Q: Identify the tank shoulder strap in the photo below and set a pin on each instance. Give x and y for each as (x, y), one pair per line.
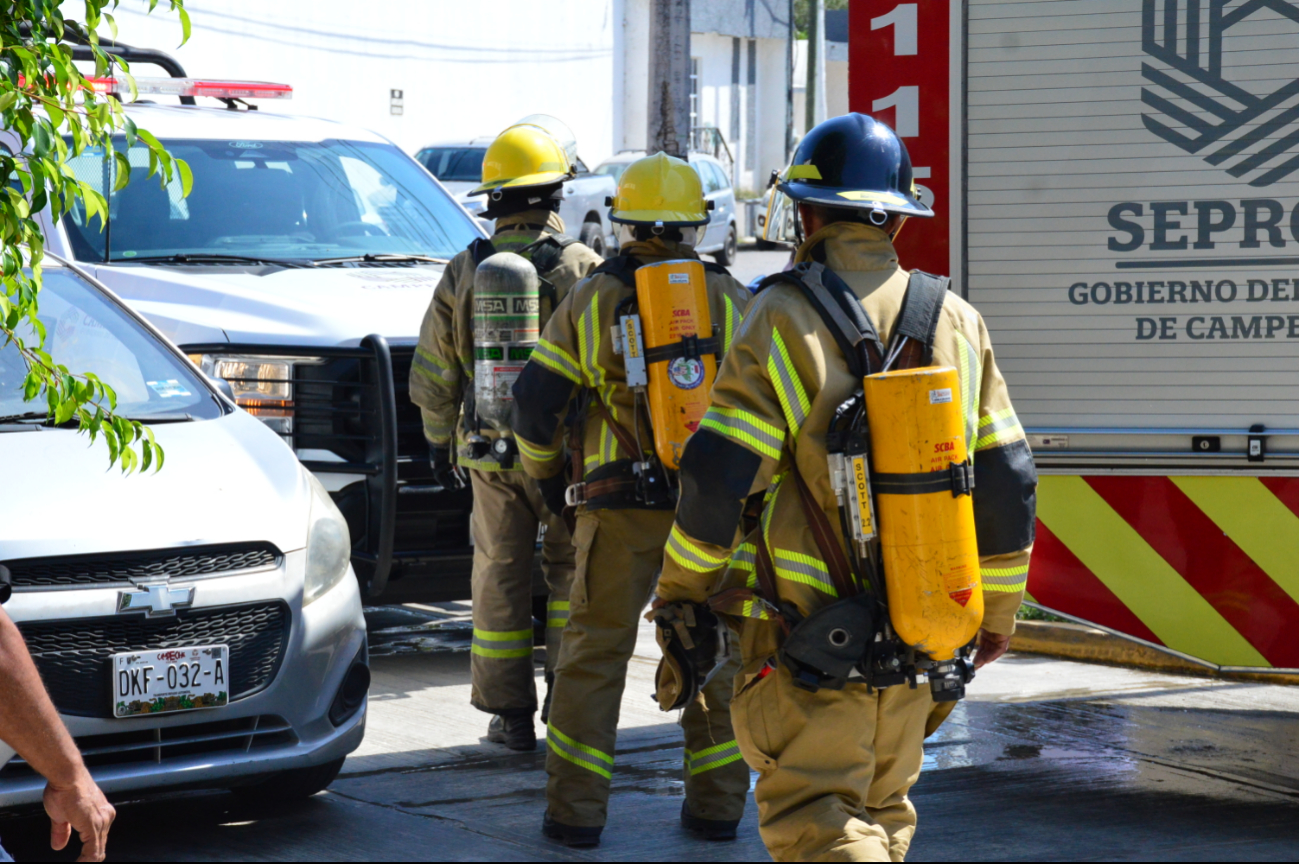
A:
(623, 268)
(481, 249)
(546, 252)
(922, 306)
(841, 312)
(713, 267)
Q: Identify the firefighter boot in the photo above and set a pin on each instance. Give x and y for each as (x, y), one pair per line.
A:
(570, 835)
(515, 731)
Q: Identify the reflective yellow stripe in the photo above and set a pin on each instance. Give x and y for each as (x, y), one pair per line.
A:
(535, 453)
(432, 367)
(1005, 580)
(1138, 575)
(997, 427)
(713, 757)
(733, 317)
(438, 434)
(502, 644)
(557, 359)
(557, 613)
(746, 428)
(971, 379)
(567, 748)
(797, 567)
(683, 551)
(789, 388)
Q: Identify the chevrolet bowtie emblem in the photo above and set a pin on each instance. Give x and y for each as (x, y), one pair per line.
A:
(155, 600)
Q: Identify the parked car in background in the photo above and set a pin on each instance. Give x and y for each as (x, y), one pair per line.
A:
(459, 167)
(197, 626)
(298, 270)
(721, 238)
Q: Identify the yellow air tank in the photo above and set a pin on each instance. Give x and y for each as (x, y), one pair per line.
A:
(931, 558)
(673, 301)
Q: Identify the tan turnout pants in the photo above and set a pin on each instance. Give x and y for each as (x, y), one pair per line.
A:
(507, 511)
(834, 767)
(619, 554)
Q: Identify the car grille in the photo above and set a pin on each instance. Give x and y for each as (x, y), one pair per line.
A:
(122, 568)
(74, 655)
(245, 734)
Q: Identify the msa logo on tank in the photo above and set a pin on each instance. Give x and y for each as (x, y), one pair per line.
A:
(1204, 94)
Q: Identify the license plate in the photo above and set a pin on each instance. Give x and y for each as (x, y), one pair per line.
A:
(170, 679)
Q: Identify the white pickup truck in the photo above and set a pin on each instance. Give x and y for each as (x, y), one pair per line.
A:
(298, 270)
(459, 166)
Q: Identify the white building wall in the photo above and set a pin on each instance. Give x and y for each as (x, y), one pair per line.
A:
(466, 69)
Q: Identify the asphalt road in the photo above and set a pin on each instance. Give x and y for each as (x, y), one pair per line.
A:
(1046, 760)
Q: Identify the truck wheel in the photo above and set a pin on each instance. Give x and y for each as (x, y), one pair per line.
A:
(593, 236)
(726, 255)
(291, 785)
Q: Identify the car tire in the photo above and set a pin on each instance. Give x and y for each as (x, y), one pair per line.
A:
(726, 255)
(593, 236)
(291, 785)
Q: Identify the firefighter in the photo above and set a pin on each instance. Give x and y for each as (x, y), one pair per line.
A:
(835, 765)
(625, 502)
(523, 174)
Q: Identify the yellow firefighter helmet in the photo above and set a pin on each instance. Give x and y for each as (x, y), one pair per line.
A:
(523, 156)
(660, 190)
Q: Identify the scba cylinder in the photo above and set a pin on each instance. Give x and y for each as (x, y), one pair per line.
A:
(673, 300)
(926, 523)
(507, 323)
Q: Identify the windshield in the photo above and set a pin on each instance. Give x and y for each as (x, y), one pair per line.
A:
(86, 332)
(454, 163)
(270, 199)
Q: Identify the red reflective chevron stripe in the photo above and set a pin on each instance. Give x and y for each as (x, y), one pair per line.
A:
(1058, 580)
(1284, 488)
(1210, 562)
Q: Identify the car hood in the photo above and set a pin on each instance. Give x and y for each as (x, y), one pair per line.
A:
(227, 480)
(458, 188)
(326, 306)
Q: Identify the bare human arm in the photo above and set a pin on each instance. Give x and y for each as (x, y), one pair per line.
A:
(30, 725)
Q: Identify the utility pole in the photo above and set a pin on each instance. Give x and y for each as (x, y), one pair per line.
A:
(669, 82)
(814, 109)
(790, 44)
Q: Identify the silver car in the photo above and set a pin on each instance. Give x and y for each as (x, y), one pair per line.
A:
(200, 626)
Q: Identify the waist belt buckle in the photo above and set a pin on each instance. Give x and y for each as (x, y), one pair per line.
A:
(575, 495)
(690, 346)
(962, 478)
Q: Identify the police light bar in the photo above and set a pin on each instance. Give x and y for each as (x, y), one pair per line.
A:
(193, 87)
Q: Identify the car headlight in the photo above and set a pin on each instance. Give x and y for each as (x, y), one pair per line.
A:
(263, 386)
(329, 544)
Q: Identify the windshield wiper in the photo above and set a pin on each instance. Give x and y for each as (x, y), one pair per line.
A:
(29, 417)
(213, 258)
(36, 420)
(381, 258)
(159, 419)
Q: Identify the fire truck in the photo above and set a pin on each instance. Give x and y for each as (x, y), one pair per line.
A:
(1117, 188)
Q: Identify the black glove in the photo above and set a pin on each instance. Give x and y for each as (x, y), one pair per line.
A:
(553, 489)
(444, 472)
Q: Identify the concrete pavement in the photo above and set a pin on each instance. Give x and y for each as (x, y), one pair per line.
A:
(1047, 760)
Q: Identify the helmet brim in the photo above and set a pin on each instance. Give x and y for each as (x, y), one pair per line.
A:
(667, 219)
(544, 178)
(856, 199)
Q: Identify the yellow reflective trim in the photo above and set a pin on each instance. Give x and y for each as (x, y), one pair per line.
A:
(1138, 575)
(502, 635)
(789, 388)
(803, 172)
(500, 653)
(537, 454)
(989, 419)
(571, 750)
(557, 359)
(999, 436)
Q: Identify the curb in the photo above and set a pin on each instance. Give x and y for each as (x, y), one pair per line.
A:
(1089, 645)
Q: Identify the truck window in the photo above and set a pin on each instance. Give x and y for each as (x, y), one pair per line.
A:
(463, 164)
(279, 199)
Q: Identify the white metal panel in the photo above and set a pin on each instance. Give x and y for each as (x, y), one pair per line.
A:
(1056, 138)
